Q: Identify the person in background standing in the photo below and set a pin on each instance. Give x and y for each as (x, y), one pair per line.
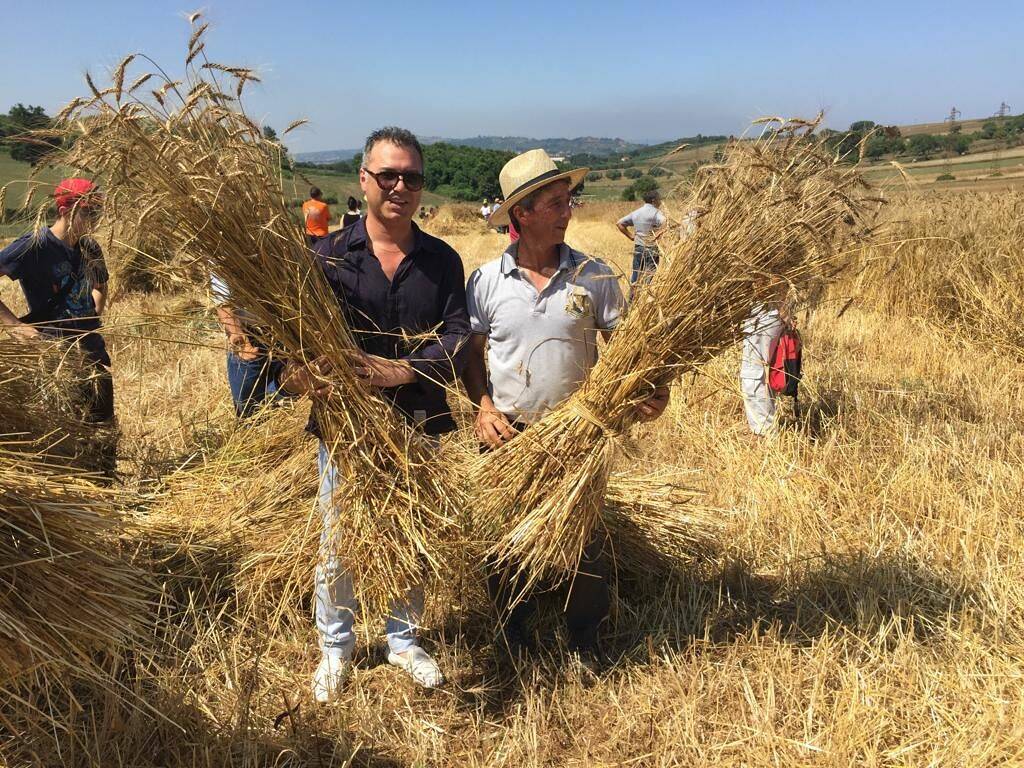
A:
(317, 216)
(645, 221)
(502, 228)
(760, 332)
(485, 209)
(352, 215)
(690, 223)
(252, 372)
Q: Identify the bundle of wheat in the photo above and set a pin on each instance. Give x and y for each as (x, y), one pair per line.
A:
(44, 390)
(779, 211)
(655, 523)
(456, 219)
(247, 509)
(66, 590)
(136, 259)
(198, 172)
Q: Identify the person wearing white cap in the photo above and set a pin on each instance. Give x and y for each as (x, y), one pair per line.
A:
(535, 313)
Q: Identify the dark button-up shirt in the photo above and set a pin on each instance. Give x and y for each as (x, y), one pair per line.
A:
(419, 316)
(57, 280)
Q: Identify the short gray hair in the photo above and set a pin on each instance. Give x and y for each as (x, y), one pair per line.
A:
(395, 135)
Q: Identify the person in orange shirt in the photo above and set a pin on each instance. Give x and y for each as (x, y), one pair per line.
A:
(317, 216)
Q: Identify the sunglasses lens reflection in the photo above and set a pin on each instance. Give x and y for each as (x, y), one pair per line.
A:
(388, 180)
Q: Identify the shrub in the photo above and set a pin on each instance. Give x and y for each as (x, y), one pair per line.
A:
(657, 171)
(632, 173)
(594, 175)
(614, 174)
(639, 188)
(946, 177)
(881, 144)
(922, 145)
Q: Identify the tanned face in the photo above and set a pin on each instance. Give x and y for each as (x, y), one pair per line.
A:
(399, 203)
(81, 221)
(545, 225)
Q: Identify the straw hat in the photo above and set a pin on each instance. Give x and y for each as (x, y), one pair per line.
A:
(527, 173)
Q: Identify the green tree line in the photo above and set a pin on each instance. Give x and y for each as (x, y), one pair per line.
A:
(880, 141)
(459, 172)
(19, 120)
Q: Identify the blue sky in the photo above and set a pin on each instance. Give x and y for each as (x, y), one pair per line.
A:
(639, 71)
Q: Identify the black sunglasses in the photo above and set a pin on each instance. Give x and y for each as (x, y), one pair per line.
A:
(388, 180)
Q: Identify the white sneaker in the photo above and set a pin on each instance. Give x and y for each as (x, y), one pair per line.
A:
(419, 665)
(330, 676)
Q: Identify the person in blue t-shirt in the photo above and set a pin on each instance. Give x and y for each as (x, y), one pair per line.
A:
(64, 280)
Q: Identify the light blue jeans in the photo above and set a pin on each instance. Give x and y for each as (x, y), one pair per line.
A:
(335, 597)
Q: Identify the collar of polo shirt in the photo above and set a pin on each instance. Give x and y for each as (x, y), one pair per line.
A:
(510, 265)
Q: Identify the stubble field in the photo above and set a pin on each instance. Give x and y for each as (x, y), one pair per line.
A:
(862, 604)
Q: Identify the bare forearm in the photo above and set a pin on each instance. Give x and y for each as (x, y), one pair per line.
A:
(228, 321)
(99, 298)
(625, 231)
(14, 326)
(475, 374)
(7, 318)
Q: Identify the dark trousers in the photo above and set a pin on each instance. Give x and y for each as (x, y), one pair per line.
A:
(586, 597)
(97, 404)
(252, 382)
(97, 384)
(645, 262)
(100, 395)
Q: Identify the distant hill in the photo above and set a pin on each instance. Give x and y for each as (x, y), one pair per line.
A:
(561, 147)
(326, 156)
(583, 145)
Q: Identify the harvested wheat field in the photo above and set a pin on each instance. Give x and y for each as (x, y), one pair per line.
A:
(844, 592)
(859, 601)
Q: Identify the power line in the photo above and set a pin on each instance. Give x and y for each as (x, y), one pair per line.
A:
(1004, 110)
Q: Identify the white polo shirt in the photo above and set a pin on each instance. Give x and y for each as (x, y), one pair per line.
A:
(541, 345)
(645, 220)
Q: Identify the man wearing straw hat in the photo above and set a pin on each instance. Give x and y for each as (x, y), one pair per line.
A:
(64, 279)
(535, 313)
(395, 283)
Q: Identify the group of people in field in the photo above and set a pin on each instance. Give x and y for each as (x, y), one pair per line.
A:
(521, 334)
(316, 215)
(761, 332)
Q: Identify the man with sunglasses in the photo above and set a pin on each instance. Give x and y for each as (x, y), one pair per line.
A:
(403, 294)
(64, 279)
